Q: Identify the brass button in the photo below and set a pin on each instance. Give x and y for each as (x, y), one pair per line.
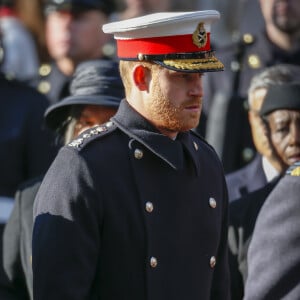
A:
(212, 262)
(138, 154)
(44, 87)
(149, 207)
(212, 203)
(140, 56)
(248, 38)
(1, 54)
(153, 262)
(45, 70)
(254, 61)
(246, 105)
(247, 154)
(235, 66)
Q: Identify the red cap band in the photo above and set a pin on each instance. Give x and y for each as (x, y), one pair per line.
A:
(159, 46)
(7, 12)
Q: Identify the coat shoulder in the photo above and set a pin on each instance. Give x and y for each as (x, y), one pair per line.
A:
(95, 133)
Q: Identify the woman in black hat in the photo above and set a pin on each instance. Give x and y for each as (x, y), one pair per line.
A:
(96, 91)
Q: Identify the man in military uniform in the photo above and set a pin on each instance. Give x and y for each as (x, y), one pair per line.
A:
(72, 36)
(227, 127)
(137, 208)
(274, 256)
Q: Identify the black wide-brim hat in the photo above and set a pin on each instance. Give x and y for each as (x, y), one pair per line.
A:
(95, 82)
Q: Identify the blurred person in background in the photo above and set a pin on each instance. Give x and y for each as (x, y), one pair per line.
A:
(275, 108)
(72, 36)
(266, 163)
(135, 8)
(22, 59)
(274, 256)
(32, 15)
(96, 91)
(27, 148)
(225, 105)
(247, 19)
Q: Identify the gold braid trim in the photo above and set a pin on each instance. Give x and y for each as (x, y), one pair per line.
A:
(195, 64)
(296, 172)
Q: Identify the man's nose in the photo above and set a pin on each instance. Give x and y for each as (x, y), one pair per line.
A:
(197, 87)
(295, 134)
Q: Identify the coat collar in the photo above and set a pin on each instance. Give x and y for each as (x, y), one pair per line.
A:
(139, 129)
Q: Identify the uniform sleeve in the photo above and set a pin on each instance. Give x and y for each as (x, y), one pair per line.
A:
(66, 234)
(274, 256)
(14, 283)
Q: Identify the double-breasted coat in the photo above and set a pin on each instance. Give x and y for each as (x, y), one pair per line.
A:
(127, 213)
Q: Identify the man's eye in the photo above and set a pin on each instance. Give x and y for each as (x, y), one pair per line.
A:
(185, 76)
(282, 129)
(87, 123)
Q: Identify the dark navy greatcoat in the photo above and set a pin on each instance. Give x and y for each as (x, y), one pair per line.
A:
(127, 213)
(27, 148)
(274, 255)
(243, 213)
(247, 179)
(17, 238)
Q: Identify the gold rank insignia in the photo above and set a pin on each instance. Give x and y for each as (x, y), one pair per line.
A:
(200, 35)
(296, 171)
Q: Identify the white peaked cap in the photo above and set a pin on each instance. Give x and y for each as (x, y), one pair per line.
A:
(175, 40)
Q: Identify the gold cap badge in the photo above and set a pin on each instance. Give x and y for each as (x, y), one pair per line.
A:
(200, 35)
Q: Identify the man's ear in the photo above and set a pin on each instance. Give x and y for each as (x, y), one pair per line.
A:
(141, 77)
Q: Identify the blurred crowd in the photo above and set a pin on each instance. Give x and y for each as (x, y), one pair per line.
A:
(43, 42)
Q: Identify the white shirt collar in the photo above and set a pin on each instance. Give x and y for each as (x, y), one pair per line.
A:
(269, 170)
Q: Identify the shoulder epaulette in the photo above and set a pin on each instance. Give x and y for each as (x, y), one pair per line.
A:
(294, 170)
(92, 134)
